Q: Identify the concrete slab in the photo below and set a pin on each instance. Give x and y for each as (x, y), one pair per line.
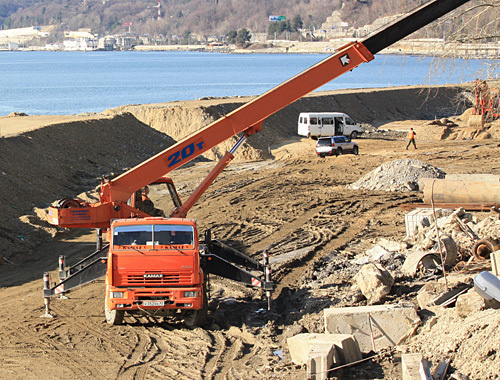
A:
(389, 324)
(301, 345)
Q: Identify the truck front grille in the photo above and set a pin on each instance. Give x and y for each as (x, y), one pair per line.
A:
(167, 279)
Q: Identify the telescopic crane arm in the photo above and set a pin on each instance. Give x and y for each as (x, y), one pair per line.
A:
(246, 119)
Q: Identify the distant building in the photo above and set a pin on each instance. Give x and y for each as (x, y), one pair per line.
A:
(123, 43)
(336, 28)
(23, 35)
(106, 43)
(80, 33)
(258, 37)
(80, 44)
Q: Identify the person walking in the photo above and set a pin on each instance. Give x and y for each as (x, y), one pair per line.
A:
(411, 138)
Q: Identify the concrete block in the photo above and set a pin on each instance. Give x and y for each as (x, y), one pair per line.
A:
(415, 367)
(389, 324)
(301, 345)
(320, 360)
(348, 348)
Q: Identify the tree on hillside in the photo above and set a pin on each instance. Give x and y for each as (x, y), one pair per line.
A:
(243, 37)
(186, 37)
(231, 37)
(277, 27)
(477, 21)
(297, 23)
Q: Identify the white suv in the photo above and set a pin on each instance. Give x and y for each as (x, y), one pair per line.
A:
(335, 145)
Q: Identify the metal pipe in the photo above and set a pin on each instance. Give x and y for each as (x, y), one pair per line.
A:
(438, 238)
(238, 143)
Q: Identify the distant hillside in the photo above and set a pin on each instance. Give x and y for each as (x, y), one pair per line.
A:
(211, 17)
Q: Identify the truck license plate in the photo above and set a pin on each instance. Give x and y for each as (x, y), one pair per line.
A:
(153, 303)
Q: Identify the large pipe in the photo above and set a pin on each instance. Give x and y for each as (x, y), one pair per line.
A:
(460, 191)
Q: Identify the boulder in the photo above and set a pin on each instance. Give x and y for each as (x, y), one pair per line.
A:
(374, 281)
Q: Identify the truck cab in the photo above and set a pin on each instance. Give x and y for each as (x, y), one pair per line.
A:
(153, 267)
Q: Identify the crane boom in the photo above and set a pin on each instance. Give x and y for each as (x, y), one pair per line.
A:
(246, 119)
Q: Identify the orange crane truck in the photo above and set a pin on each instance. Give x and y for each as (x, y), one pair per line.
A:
(157, 265)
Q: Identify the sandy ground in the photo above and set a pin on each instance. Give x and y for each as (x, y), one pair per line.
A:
(285, 203)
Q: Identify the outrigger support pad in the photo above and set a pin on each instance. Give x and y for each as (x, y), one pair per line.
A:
(46, 286)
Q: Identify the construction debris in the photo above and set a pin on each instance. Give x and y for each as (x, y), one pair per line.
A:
(374, 281)
(398, 175)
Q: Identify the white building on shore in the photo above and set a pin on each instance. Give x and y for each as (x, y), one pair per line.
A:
(80, 44)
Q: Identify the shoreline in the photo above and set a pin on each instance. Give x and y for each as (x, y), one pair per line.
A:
(366, 105)
(420, 48)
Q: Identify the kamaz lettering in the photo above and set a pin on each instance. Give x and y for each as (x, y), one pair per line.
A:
(185, 152)
(153, 275)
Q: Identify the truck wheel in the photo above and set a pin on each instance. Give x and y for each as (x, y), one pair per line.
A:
(355, 150)
(338, 152)
(354, 135)
(197, 318)
(113, 317)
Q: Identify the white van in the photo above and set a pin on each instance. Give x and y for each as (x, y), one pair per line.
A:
(317, 124)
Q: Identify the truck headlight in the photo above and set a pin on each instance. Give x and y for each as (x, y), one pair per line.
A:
(191, 294)
(116, 294)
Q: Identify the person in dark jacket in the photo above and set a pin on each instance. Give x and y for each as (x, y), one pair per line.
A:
(147, 204)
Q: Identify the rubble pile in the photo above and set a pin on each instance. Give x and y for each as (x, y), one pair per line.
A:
(398, 175)
(463, 228)
(378, 275)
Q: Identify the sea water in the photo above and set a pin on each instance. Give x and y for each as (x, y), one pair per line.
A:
(64, 83)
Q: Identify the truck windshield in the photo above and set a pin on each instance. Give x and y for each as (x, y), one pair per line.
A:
(153, 236)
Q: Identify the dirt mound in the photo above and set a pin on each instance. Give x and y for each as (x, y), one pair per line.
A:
(86, 147)
(471, 342)
(374, 107)
(60, 161)
(398, 175)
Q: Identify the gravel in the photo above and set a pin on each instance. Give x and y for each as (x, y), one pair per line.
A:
(398, 175)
